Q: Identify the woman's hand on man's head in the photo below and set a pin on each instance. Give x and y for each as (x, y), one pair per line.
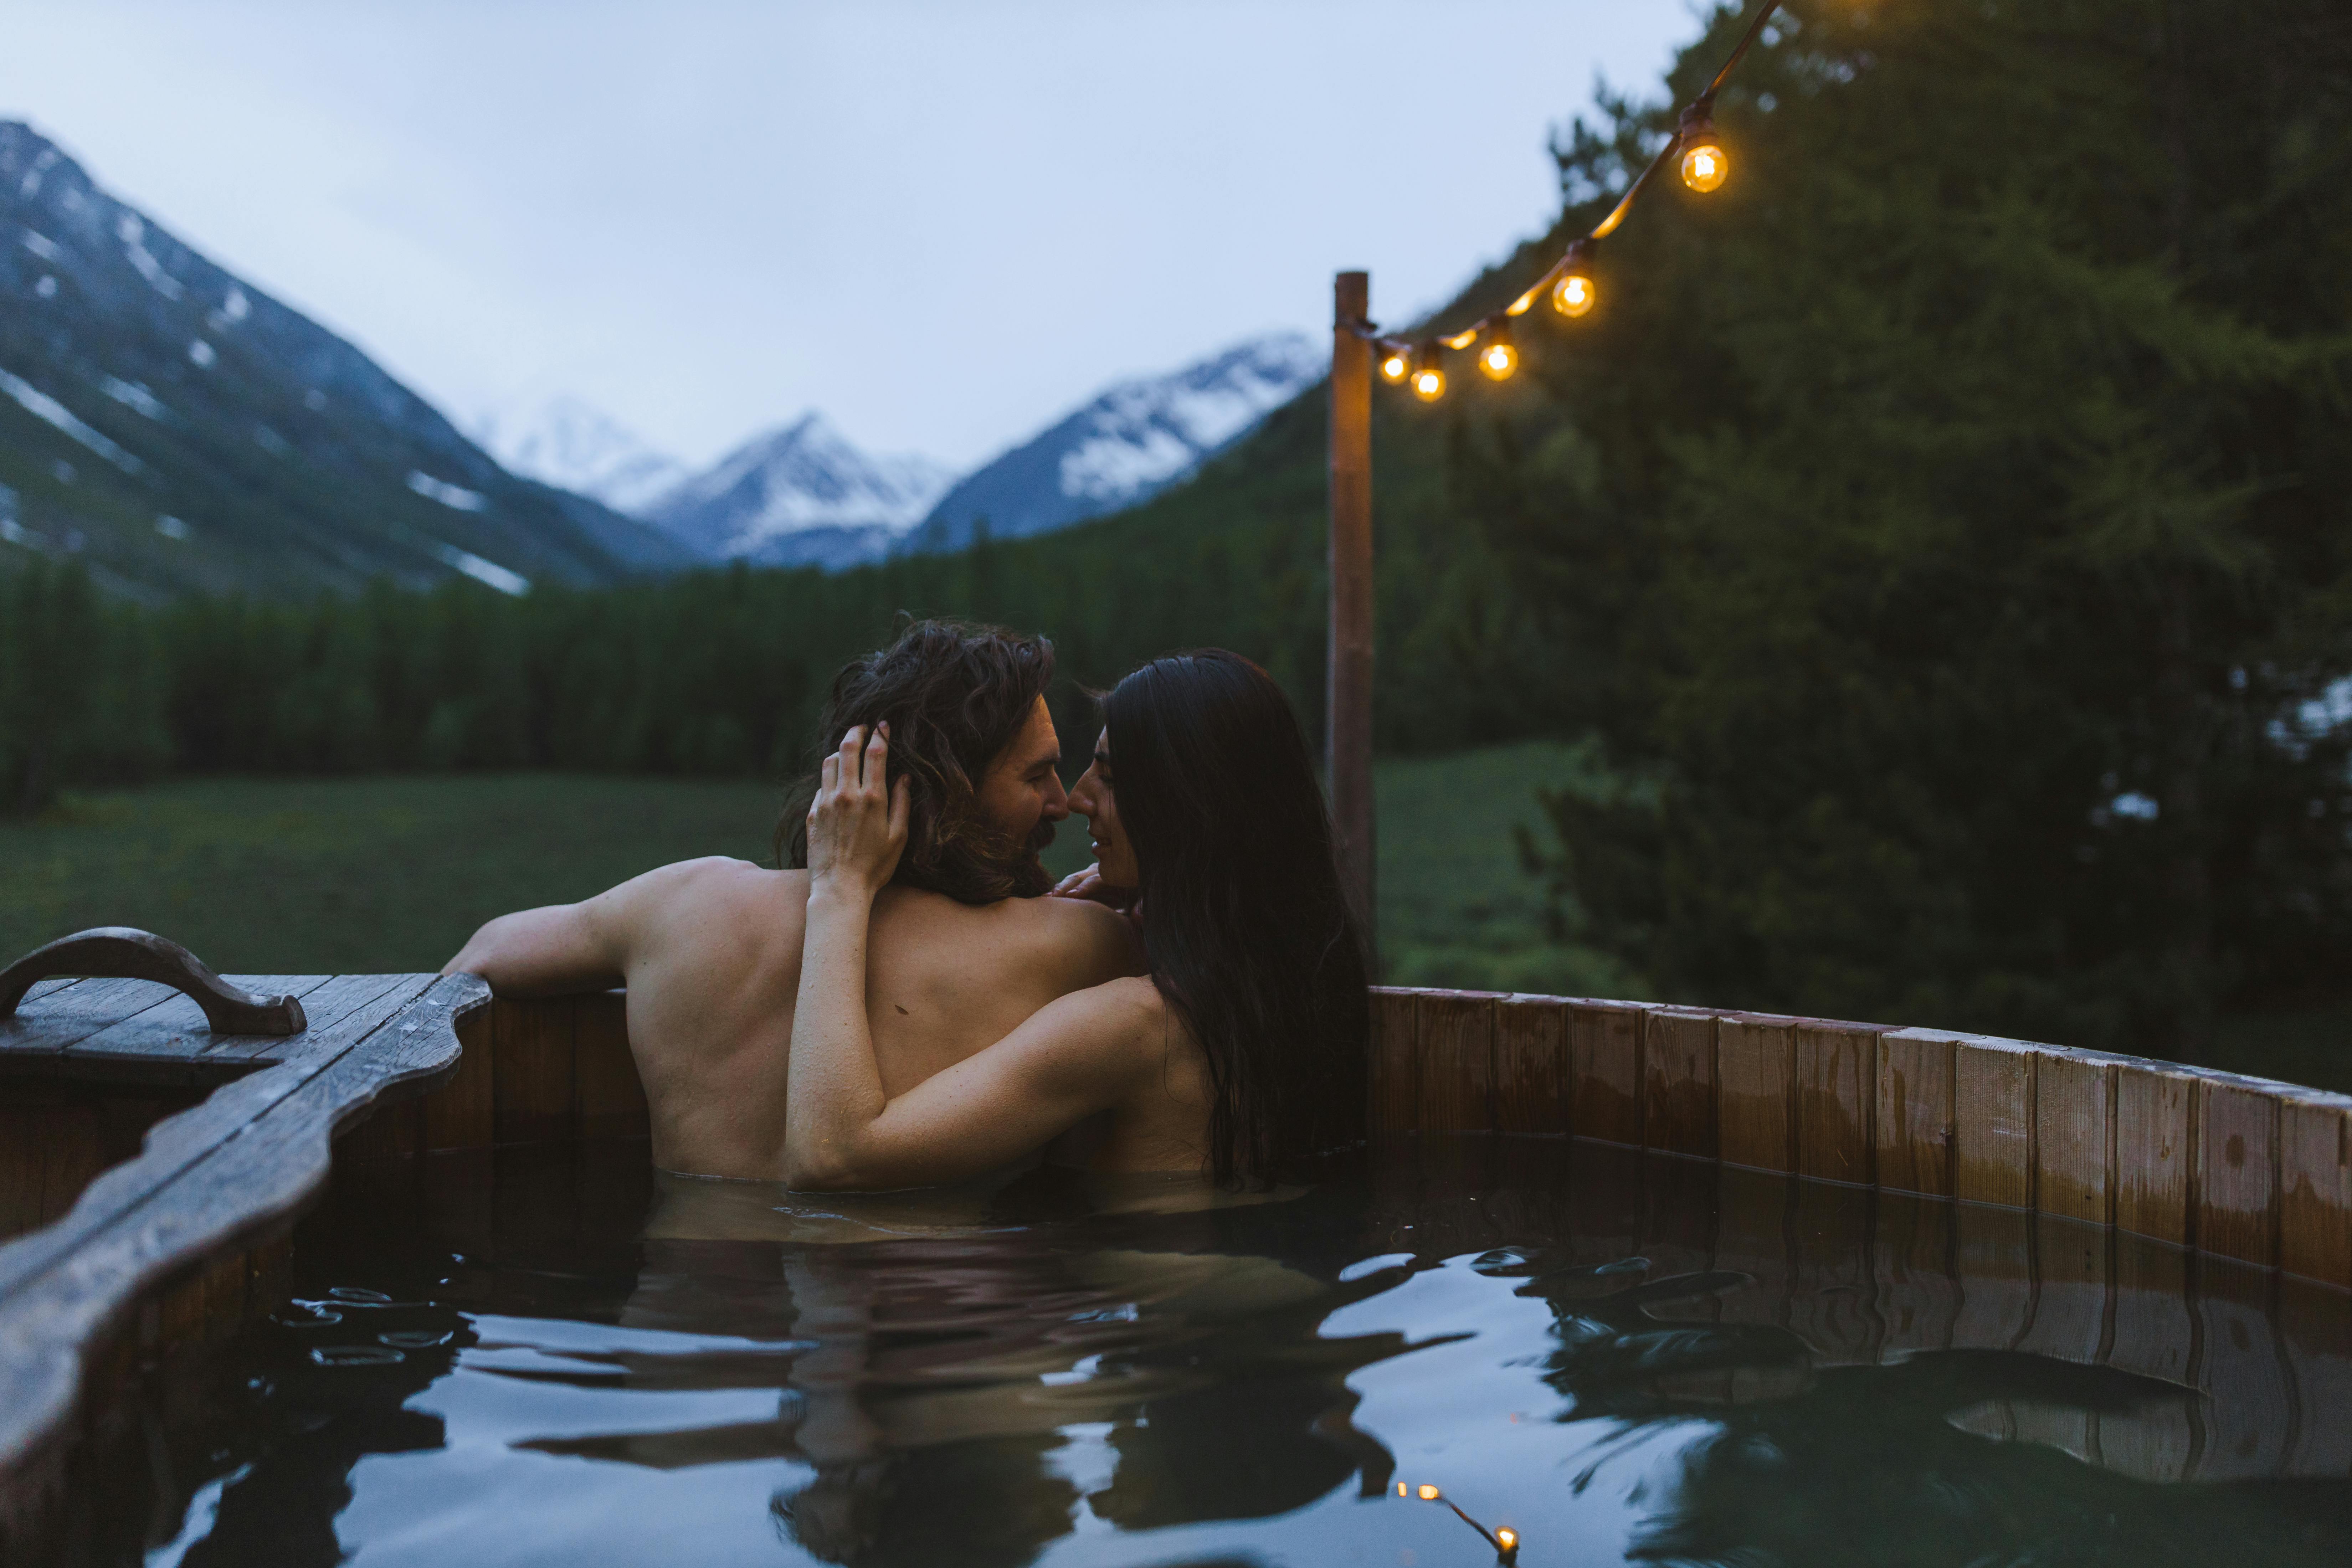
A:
(858, 823)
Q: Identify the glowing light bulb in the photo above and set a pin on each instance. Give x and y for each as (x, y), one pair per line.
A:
(1506, 1539)
(1428, 380)
(1704, 168)
(1404, 1490)
(1574, 294)
(1704, 165)
(1461, 339)
(1500, 357)
(1428, 1494)
(1518, 307)
(1395, 365)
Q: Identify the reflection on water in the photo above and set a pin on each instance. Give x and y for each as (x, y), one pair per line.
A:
(548, 1356)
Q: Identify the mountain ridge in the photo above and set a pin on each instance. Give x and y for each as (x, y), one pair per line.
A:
(173, 428)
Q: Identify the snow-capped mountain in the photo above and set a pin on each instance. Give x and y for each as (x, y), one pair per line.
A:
(1127, 445)
(801, 495)
(573, 446)
(171, 427)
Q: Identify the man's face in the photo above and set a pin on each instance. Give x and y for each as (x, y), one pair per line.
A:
(1021, 795)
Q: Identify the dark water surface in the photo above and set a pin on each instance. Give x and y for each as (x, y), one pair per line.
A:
(499, 1358)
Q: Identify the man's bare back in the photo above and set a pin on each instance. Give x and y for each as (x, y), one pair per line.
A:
(710, 953)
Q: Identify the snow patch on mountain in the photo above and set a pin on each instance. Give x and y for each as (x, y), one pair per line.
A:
(574, 446)
(1127, 445)
(804, 492)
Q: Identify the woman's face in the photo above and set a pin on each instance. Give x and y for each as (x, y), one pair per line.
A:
(1092, 798)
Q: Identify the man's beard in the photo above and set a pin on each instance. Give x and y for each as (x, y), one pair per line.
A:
(1030, 878)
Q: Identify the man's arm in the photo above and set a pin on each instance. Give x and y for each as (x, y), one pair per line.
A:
(566, 947)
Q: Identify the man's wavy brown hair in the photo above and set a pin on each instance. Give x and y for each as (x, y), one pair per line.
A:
(955, 696)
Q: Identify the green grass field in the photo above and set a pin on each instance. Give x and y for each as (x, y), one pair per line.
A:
(296, 876)
(321, 876)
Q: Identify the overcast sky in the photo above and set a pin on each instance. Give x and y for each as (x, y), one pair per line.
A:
(942, 222)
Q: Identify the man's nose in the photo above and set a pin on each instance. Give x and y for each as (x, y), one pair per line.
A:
(1057, 799)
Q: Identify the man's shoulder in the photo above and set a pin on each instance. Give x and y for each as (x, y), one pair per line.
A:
(712, 881)
(1087, 932)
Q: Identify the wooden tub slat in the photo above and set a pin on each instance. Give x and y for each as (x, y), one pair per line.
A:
(532, 1095)
(2155, 1136)
(1605, 1056)
(2073, 1100)
(1532, 1067)
(1992, 1121)
(1454, 1039)
(2315, 1199)
(2237, 1171)
(1678, 1082)
(1396, 1061)
(1756, 1061)
(1915, 1111)
(1836, 1073)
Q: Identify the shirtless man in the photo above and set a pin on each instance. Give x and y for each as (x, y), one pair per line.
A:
(963, 948)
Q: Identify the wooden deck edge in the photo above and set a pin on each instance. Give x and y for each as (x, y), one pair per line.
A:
(2248, 1169)
(219, 1178)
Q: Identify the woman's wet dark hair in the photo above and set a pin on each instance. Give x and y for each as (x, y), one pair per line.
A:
(1248, 935)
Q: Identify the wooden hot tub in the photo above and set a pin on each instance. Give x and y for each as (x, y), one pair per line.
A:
(152, 1169)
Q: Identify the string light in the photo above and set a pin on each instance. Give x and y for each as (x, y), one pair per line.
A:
(1704, 166)
(1506, 1542)
(1698, 151)
(1575, 293)
(1428, 380)
(1500, 357)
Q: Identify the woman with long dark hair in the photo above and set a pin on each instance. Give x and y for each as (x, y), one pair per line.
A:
(1243, 1049)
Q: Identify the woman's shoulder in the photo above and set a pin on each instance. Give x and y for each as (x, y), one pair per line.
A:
(1112, 1019)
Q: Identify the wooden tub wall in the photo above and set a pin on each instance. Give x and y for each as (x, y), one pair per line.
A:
(2242, 1168)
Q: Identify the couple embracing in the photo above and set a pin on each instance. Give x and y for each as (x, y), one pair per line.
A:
(912, 1003)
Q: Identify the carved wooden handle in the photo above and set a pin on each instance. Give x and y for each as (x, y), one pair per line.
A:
(120, 952)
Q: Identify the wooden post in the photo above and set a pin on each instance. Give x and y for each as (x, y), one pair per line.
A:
(1347, 706)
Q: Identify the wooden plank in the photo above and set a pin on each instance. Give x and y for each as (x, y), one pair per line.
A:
(236, 1188)
(1604, 1061)
(2314, 1201)
(171, 1043)
(1992, 1121)
(22, 1168)
(612, 1099)
(339, 999)
(47, 1026)
(56, 983)
(1836, 1071)
(1756, 1061)
(530, 1069)
(180, 1142)
(458, 1114)
(2237, 1169)
(1531, 1064)
(394, 1131)
(1455, 1036)
(1678, 1082)
(2155, 1136)
(2073, 1148)
(1915, 1112)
